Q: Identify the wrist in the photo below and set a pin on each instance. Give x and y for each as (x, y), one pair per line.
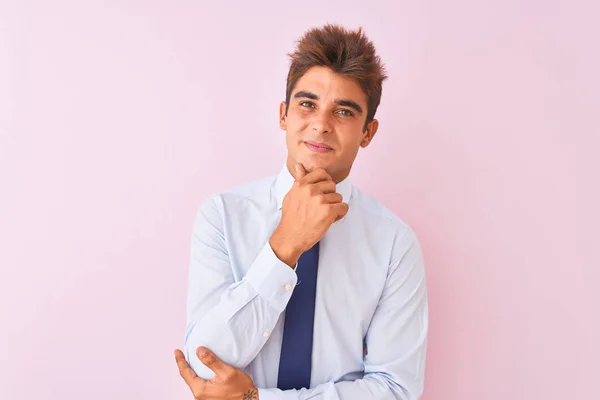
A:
(285, 251)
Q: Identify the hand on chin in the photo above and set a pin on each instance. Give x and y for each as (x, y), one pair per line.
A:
(311, 163)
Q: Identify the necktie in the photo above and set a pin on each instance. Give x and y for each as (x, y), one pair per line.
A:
(296, 348)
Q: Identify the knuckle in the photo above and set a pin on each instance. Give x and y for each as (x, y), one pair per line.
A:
(229, 374)
(209, 359)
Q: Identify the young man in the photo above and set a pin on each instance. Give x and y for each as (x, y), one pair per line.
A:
(301, 286)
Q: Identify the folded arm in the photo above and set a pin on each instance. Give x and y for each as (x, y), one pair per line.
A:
(396, 339)
(224, 315)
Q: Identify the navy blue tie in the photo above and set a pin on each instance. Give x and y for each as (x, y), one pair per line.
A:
(296, 348)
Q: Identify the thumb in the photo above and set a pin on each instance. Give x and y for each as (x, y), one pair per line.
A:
(300, 172)
(209, 359)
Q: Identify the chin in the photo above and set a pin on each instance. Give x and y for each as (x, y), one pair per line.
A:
(311, 163)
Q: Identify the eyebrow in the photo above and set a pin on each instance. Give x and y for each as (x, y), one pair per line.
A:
(344, 103)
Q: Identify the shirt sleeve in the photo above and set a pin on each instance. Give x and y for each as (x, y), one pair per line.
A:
(396, 339)
(233, 319)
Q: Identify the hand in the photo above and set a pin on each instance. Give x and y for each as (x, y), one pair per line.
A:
(229, 383)
(310, 207)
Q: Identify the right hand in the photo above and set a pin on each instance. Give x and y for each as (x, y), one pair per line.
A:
(310, 207)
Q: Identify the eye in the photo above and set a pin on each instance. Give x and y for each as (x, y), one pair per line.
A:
(346, 113)
(307, 104)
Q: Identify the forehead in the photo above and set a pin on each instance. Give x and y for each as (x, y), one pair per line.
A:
(330, 86)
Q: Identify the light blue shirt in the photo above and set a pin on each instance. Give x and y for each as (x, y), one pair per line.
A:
(371, 315)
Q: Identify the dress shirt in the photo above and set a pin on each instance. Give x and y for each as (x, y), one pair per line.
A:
(371, 311)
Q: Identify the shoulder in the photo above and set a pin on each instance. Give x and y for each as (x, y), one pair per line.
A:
(258, 190)
(381, 221)
(397, 238)
(373, 210)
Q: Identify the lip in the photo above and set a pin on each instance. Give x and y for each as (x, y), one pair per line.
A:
(318, 147)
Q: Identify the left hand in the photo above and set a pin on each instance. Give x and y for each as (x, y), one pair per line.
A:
(229, 383)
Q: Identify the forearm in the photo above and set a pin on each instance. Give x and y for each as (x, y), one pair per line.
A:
(234, 330)
(242, 317)
(373, 386)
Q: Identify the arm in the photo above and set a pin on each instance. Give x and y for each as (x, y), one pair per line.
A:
(396, 338)
(225, 315)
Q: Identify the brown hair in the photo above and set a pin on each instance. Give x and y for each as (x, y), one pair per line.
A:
(348, 53)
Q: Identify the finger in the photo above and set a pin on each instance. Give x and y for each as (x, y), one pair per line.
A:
(339, 210)
(186, 372)
(331, 198)
(300, 172)
(317, 175)
(324, 187)
(209, 359)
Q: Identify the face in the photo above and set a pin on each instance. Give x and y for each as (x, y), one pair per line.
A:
(325, 122)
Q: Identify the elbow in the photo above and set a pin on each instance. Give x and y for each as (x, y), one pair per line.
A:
(222, 344)
(402, 388)
(190, 347)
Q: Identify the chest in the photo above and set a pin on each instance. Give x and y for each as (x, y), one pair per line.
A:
(352, 266)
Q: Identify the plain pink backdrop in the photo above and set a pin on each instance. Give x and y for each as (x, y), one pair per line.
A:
(118, 118)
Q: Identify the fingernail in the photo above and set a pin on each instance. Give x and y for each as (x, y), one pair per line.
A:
(202, 352)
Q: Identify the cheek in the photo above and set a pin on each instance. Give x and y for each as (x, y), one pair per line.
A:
(350, 141)
(296, 124)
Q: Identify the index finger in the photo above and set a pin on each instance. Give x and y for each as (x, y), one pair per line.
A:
(316, 175)
(186, 372)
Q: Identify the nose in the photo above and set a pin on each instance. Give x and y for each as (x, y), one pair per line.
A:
(321, 123)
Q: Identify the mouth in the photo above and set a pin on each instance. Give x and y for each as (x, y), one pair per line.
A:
(318, 147)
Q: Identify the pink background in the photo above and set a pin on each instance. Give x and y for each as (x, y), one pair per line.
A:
(117, 118)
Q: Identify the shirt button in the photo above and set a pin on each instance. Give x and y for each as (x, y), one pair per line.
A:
(266, 334)
(288, 287)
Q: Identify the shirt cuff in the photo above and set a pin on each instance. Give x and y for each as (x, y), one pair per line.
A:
(272, 279)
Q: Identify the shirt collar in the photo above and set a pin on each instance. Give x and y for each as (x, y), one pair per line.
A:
(285, 181)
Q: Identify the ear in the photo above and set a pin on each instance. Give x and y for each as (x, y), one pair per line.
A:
(282, 116)
(369, 133)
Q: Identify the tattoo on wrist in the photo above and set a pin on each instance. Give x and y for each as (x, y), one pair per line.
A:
(250, 395)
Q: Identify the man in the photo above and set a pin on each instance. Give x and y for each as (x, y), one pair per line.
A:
(301, 286)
